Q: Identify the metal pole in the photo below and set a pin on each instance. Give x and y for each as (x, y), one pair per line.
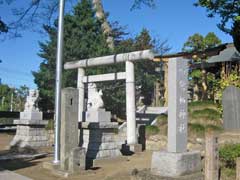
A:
(58, 83)
(11, 108)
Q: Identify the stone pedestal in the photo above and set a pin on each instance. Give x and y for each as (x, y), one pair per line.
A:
(30, 131)
(99, 135)
(100, 140)
(169, 164)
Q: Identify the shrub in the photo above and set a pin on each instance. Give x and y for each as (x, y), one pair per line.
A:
(228, 154)
(151, 130)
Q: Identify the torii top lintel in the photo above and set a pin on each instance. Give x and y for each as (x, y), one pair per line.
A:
(112, 59)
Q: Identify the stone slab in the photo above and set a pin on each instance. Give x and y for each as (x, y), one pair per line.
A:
(99, 115)
(69, 125)
(175, 164)
(231, 108)
(5, 174)
(31, 115)
(102, 154)
(30, 122)
(100, 146)
(100, 125)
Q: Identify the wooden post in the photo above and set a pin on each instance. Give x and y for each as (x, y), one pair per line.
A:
(211, 156)
(238, 169)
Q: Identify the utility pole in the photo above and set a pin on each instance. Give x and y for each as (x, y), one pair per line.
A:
(58, 82)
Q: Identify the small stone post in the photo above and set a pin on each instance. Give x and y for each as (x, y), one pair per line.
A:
(80, 86)
(69, 125)
(130, 106)
(238, 169)
(211, 157)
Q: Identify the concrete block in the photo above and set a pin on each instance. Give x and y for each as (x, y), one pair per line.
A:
(29, 115)
(175, 164)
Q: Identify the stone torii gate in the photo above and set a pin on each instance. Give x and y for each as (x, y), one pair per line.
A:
(128, 75)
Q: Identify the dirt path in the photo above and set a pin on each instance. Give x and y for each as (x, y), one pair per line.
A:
(114, 169)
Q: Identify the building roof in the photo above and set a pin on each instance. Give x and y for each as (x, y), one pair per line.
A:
(193, 55)
(228, 54)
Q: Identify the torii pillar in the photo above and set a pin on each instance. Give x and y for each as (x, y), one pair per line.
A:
(130, 104)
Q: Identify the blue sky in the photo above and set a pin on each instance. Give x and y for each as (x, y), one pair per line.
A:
(171, 20)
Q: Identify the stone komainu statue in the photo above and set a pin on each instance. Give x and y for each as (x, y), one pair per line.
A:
(94, 97)
(30, 104)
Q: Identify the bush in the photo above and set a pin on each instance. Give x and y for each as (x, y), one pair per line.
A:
(228, 154)
(151, 130)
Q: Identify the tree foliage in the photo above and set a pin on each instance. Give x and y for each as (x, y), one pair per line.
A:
(229, 11)
(197, 42)
(203, 82)
(83, 38)
(18, 96)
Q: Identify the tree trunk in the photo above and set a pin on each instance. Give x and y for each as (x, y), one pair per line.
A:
(97, 5)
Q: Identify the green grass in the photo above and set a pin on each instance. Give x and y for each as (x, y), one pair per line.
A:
(197, 128)
(201, 104)
(209, 114)
(214, 128)
(151, 130)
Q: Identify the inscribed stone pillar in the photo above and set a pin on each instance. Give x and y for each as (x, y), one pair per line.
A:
(69, 125)
(80, 86)
(177, 105)
(130, 103)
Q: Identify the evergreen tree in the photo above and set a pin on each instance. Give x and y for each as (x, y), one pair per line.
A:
(83, 38)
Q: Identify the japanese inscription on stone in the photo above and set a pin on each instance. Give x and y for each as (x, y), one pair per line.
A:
(177, 105)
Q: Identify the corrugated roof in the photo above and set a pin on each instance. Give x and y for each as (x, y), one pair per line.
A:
(228, 54)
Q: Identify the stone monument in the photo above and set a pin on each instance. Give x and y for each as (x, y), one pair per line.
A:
(99, 133)
(31, 126)
(177, 161)
(231, 108)
(72, 157)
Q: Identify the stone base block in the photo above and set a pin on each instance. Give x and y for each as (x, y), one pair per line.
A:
(98, 115)
(168, 164)
(30, 136)
(102, 154)
(35, 115)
